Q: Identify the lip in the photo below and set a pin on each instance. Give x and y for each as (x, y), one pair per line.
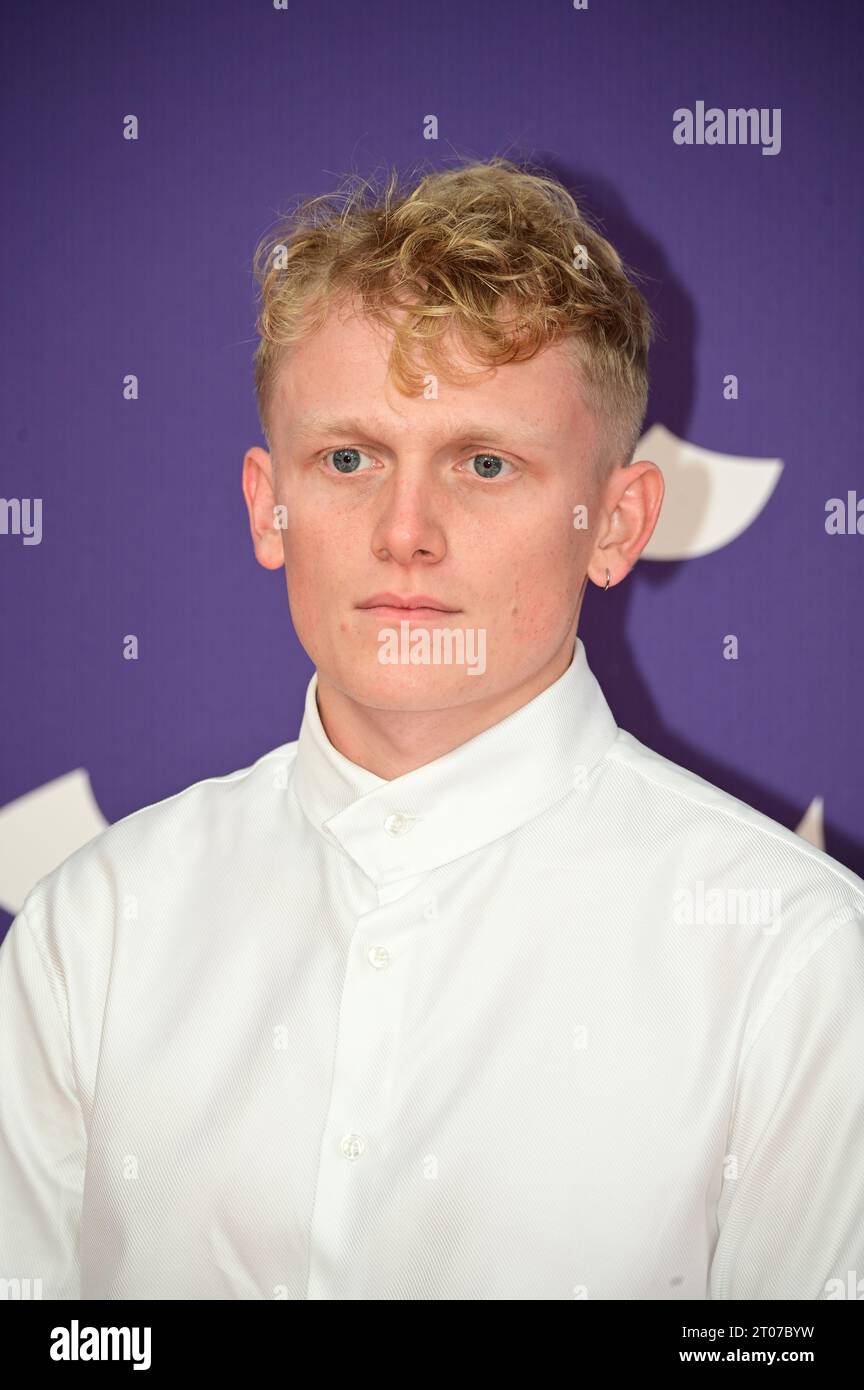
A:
(404, 605)
(385, 612)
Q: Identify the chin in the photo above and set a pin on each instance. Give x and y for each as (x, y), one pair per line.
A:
(408, 687)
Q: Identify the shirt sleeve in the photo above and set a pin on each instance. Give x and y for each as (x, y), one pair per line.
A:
(43, 1139)
(791, 1209)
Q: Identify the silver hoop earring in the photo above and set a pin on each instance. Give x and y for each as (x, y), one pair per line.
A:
(606, 585)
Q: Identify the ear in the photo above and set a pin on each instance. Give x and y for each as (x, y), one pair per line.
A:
(258, 490)
(632, 499)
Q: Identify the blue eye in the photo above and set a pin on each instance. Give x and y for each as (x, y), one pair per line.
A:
(490, 465)
(346, 460)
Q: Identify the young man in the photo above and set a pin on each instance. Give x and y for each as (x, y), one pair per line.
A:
(466, 993)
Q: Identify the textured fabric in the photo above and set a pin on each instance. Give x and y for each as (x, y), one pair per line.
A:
(548, 1018)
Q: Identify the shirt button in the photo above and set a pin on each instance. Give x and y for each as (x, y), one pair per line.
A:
(353, 1145)
(398, 824)
(378, 956)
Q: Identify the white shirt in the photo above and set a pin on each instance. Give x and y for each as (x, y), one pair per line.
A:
(499, 1028)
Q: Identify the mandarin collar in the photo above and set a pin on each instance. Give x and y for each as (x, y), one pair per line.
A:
(483, 789)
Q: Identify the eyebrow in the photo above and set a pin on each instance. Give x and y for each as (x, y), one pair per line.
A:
(319, 424)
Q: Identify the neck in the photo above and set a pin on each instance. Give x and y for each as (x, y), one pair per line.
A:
(390, 743)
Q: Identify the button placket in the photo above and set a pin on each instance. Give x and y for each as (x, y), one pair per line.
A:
(364, 1078)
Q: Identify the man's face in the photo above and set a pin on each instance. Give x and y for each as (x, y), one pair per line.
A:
(466, 498)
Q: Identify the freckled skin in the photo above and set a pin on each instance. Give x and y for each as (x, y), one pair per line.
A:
(415, 518)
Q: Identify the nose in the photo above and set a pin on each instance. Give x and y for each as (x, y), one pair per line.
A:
(408, 526)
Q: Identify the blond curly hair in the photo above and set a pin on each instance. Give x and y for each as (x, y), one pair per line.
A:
(498, 252)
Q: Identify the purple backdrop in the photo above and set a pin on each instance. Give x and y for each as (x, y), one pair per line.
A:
(134, 257)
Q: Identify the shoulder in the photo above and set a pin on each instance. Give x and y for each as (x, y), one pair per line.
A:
(781, 909)
(175, 835)
(721, 839)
